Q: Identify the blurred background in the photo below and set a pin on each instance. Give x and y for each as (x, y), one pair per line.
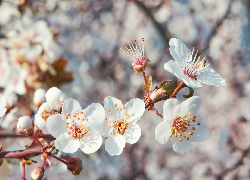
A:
(75, 46)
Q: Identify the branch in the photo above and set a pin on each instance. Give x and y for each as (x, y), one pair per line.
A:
(29, 152)
(4, 135)
(164, 33)
(239, 163)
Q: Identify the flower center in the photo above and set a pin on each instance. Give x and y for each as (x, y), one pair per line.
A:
(118, 124)
(194, 67)
(76, 125)
(45, 114)
(180, 127)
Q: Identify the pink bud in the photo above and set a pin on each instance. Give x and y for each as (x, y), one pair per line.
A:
(37, 173)
(74, 165)
(139, 64)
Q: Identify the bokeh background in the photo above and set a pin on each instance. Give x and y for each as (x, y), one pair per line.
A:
(75, 45)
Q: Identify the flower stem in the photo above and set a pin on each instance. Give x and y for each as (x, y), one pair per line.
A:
(40, 132)
(37, 140)
(44, 160)
(24, 171)
(146, 84)
(59, 159)
(155, 111)
(175, 91)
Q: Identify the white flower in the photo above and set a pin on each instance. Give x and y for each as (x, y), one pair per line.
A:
(25, 125)
(55, 97)
(120, 123)
(191, 70)
(181, 125)
(75, 128)
(2, 105)
(39, 97)
(42, 115)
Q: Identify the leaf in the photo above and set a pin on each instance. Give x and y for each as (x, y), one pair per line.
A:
(163, 84)
(170, 87)
(191, 93)
(149, 83)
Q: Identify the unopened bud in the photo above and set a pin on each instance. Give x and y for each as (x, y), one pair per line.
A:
(39, 97)
(25, 125)
(139, 64)
(74, 165)
(37, 173)
(55, 97)
(158, 93)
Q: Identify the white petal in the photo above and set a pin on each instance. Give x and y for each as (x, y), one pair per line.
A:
(95, 114)
(191, 82)
(163, 132)
(211, 77)
(132, 133)
(56, 125)
(174, 68)
(71, 106)
(200, 133)
(180, 147)
(178, 50)
(39, 121)
(2, 101)
(67, 143)
(171, 110)
(90, 142)
(191, 104)
(105, 129)
(2, 111)
(114, 144)
(135, 109)
(109, 103)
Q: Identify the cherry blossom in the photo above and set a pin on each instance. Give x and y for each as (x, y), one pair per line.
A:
(136, 55)
(193, 71)
(25, 125)
(42, 115)
(75, 128)
(180, 124)
(120, 123)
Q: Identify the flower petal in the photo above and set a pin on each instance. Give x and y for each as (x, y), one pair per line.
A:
(109, 103)
(39, 121)
(114, 144)
(163, 132)
(179, 51)
(132, 133)
(180, 147)
(191, 104)
(95, 114)
(135, 109)
(105, 129)
(71, 106)
(211, 77)
(56, 125)
(91, 142)
(200, 133)
(171, 110)
(67, 143)
(191, 82)
(174, 68)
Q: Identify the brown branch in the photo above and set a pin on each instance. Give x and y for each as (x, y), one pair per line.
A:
(11, 135)
(238, 164)
(29, 152)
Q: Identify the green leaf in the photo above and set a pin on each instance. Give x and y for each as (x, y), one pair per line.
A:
(149, 83)
(169, 87)
(191, 93)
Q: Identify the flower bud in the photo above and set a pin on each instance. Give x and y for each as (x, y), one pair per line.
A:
(39, 97)
(55, 97)
(139, 64)
(158, 93)
(74, 165)
(37, 173)
(25, 125)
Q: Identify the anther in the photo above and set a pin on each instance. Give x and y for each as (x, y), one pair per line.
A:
(187, 138)
(180, 140)
(190, 112)
(193, 128)
(190, 133)
(115, 105)
(68, 114)
(81, 112)
(198, 123)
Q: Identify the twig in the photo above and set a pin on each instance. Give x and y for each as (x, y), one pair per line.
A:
(29, 152)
